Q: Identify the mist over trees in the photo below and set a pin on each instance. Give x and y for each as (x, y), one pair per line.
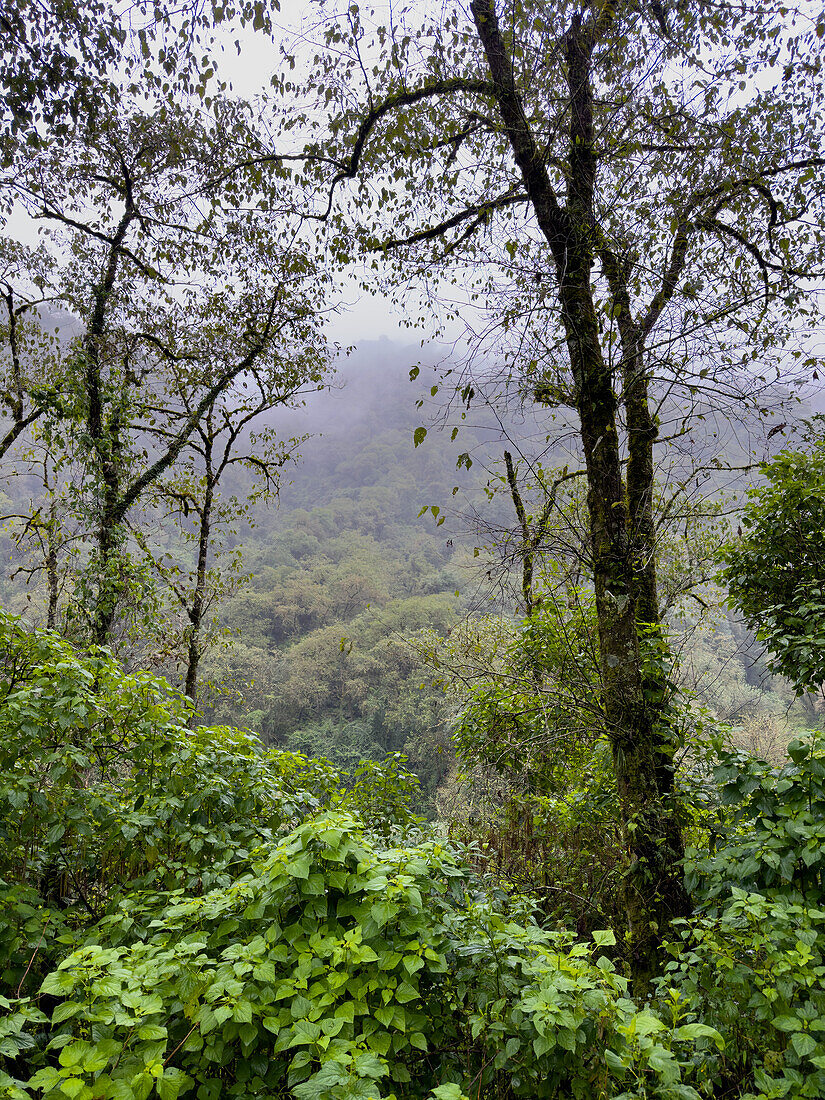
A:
(618, 191)
(400, 725)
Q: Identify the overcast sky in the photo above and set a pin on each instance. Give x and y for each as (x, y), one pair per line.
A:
(362, 316)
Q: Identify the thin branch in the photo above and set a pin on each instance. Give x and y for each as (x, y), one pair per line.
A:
(479, 212)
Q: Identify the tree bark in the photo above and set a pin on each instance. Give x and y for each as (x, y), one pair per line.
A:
(527, 550)
(621, 518)
(195, 612)
(52, 576)
(103, 433)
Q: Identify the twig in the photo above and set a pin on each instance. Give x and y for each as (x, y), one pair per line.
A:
(180, 1044)
(34, 953)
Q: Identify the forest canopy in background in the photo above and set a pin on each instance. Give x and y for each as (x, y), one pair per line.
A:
(381, 724)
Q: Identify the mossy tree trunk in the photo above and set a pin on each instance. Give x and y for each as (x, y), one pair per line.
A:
(619, 505)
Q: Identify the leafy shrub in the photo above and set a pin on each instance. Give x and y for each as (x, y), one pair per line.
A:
(336, 969)
(108, 800)
(773, 570)
(756, 969)
(205, 917)
(771, 831)
(753, 961)
(103, 789)
(530, 730)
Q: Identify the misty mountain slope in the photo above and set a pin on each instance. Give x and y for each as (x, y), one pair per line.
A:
(350, 585)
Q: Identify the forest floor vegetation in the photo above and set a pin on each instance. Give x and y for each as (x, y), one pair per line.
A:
(190, 913)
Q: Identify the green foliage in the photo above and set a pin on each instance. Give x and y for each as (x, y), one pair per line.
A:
(186, 913)
(756, 971)
(337, 968)
(550, 822)
(309, 972)
(103, 788)
(185, 942)
(772, 824)
(753, 961)
(534, 712)
(108, 800)
(382, 794)
(774, 568)
(334, 633)
(347, 743)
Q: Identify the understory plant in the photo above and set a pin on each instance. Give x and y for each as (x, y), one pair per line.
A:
(752, 961)
(109, 800)
(184, 913)
(337, 968)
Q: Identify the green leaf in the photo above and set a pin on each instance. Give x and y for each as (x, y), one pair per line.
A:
(664, 1064)
(172, 1083)
(803, 1043)
(604, 938)
(65, 1011)
(72, 1087)
(152, 1031)
(699, 1031)
(645, 1023)
(787, 1023)
(74, 1053)
(46, 1078)
(406, 993)
(449, 1091)
(328, 1077)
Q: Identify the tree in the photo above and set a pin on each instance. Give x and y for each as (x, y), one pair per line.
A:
(52, 68)
(226, 436)
(775, 563)
(92, 143)
(650, 199)
(179, 302)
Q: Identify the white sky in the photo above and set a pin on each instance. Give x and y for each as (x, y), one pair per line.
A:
(361, 316)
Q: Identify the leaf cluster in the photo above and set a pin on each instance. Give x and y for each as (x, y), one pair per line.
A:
(338, 968)
(774, 566)
(753, 960)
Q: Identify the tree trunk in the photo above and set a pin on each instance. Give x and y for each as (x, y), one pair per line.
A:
(623, 563)
(527, 550)
(196, 611)
(104, 436)
(642, 431)
(52, 576)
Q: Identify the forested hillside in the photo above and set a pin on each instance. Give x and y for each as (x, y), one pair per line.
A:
(434, 718)
(345, 591)
(352, 587)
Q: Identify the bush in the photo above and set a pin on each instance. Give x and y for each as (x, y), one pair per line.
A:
(753, 960)
(771, 827)
(185, 913)
(757, 971)
(108, 800)
(337, 968)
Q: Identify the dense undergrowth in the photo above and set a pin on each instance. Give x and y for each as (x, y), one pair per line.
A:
(184, 912)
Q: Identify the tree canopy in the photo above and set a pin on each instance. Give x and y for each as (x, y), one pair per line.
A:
(774, 566)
